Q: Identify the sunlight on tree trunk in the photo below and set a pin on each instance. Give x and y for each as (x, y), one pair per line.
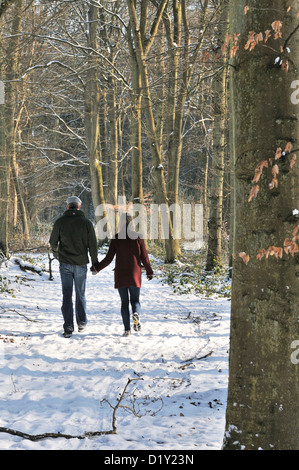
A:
(262, 408)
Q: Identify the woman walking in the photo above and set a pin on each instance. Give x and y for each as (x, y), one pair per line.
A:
(131, 255)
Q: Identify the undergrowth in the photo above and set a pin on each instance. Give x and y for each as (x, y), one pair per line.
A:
(188, 275)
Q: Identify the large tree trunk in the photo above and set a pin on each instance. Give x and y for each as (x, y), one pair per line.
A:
(262, 407)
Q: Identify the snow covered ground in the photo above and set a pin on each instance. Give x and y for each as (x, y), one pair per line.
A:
(52, 384)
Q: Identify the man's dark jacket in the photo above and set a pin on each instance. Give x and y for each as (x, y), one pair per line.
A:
(72, 237)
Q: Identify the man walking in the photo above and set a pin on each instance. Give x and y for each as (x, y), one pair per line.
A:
(72, 238)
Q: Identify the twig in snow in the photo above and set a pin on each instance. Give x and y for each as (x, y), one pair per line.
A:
(196, 359)
(18, 313)
(55, 435)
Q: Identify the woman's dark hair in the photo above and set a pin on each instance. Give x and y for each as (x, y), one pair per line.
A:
(73, 206)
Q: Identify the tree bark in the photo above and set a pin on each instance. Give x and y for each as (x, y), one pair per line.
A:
(262, 406)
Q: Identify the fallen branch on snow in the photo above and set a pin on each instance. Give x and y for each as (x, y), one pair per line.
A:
(28, 267)
(196, 359)
(18, 313)
(55, 435)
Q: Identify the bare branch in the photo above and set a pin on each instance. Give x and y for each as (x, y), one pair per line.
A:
(55, 435)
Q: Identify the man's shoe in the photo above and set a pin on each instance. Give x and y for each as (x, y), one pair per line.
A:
(81, 328)
(67, 334)
(136, 322)
(127, 333)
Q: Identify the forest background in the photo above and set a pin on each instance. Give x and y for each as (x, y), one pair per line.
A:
(170, 103)
(113, 98)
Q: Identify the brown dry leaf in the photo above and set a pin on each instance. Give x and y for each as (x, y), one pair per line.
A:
(276, 251)
(246, 9)
(233, 51)
(287, 245)
(274, 183)
(294, 249)
(257, 175)
(236, 38)
(261, 253)
(259, 170)
(295, 231)
(293, 160)
(267, 34)
(275, 170)
(244, 257)
(278, 153)
(276, 26)
(285, 65)
(253, 192)
(259, 37)
(288, 147)
(251, 42)
(288, 9)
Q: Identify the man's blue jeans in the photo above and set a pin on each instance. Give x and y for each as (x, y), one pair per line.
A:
(72, 274)
(127, 295)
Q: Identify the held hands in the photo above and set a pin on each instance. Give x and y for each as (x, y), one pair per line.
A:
(95, 268)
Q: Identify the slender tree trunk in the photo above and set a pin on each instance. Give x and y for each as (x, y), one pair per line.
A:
(113, 165)
(11, 98)
(4, 166)
(4, 178)
(262, 406)
(92, 118)
(214, 255)
(160, 185)
(135, 126)
(109, 36)
(177, 98)
(136, 119)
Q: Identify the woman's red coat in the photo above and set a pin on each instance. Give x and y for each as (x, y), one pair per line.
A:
(130, 256)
